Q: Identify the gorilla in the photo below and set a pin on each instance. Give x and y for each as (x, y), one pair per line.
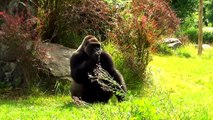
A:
(83, 61)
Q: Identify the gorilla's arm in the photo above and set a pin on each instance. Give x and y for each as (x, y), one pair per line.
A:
(80, 65)
(107, 64)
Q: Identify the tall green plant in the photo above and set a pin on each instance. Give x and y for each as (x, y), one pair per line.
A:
(49, 13)
(80, 18)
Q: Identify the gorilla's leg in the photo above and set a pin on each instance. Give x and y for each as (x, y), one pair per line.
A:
(77, 90)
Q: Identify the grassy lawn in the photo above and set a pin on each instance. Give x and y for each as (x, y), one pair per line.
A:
(181, 89)
(189, 80)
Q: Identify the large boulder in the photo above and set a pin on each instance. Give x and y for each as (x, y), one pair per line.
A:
(55, 65)
(58, 60)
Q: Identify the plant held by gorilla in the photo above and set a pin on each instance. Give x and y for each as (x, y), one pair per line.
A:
(106, 81)
(143, 22)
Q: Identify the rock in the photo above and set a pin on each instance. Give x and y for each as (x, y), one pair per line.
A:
(172, 42)
(56, 65)
(5, 54)
(6, 71)
(204, 46)
(58, 60)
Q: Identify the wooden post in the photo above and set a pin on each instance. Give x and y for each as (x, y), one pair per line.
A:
(200, 33)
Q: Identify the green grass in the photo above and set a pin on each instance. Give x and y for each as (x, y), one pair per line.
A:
(181, 89)
(188, 78)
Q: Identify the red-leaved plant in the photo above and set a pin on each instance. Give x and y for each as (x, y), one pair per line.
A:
(143, 22)
(19, 35)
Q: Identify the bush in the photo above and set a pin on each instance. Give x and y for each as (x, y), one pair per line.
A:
(141, 25)
(208, 36)
(80, 18)
(163, 49)
(131, 77)
(23, 45)
(192, 34)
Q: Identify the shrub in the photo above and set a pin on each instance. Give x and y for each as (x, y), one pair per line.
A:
(208, 36)
(192, 34)
(163, 49)
(48, 12)
(141, 25)
(183, 53)
(128, 73)
(80, 18)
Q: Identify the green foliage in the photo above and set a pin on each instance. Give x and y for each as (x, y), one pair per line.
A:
(118, 4)
(163, 49)
(4, 85)
(48, 12)
(62, 87)
(192, 34)
(183, 54)
(70, 39)
(208, 36)
(208, 14)
(189, 22)
(184, 8)
(131, 77)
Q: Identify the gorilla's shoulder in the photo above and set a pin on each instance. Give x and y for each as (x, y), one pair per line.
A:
(106, 59)
(104, 54)
(76, 56)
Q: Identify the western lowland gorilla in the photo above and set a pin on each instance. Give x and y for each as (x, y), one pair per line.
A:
(83, 62)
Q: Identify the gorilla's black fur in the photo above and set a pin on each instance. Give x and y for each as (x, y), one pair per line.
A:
(83, 62)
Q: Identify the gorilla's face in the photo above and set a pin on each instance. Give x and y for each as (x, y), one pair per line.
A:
(93, 48)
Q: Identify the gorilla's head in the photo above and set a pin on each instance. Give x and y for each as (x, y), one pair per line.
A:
(91, 46)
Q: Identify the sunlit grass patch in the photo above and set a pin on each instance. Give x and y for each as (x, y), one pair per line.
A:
(190, 51)
(188, 79)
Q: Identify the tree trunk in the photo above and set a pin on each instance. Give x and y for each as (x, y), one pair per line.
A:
(200, 33)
